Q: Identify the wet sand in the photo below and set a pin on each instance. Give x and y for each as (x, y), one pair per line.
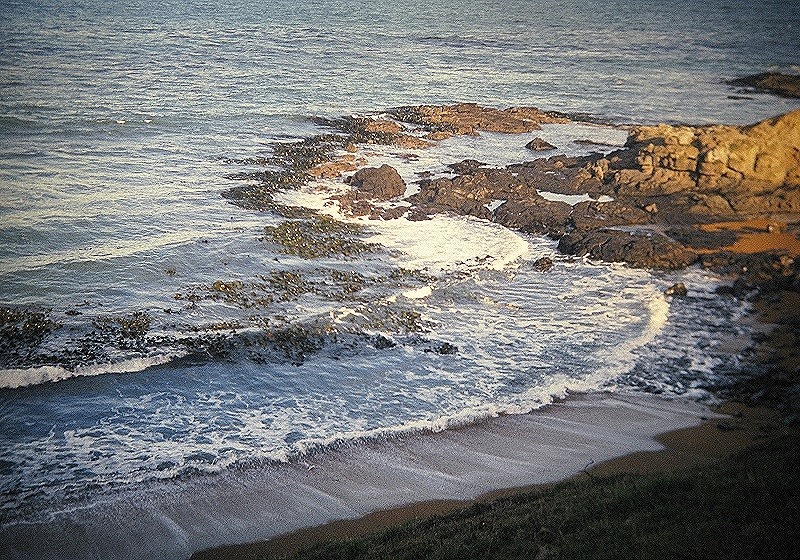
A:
(173, 519)
(732, 428)
(756, 236)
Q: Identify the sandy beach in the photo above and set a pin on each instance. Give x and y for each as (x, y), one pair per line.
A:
(717, 434)
(447, 468)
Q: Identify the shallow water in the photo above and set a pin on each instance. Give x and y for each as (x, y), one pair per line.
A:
(121, 126)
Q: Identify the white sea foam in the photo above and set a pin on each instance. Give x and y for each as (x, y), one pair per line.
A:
(15, 378)
(447, 243)
(419, 293)
(185, 515)
(443, 243)
(573, 199)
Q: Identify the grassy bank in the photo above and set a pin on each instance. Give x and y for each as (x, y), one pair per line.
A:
(747, 506)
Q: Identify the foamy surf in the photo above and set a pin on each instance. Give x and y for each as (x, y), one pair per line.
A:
(186, 515)
(16, 378)
(447, 243)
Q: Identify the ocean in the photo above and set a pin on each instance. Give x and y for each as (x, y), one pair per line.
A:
(152, 331)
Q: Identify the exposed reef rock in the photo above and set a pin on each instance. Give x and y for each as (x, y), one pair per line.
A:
(726, 197)
(661, 187)
(539, 145)
(378, 183)
(787, 85)
(638, 248)
(469, 118)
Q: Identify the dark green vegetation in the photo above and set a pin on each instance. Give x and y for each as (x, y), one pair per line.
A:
(21, 330)
(321, 236)
(747, 506)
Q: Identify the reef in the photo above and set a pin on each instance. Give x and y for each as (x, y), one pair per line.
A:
(786, 85)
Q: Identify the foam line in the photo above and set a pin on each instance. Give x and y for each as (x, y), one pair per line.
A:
(180, 517)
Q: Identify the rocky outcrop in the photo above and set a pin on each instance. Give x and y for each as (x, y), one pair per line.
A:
(724, 169)
(664, 182)
(539, 145)
(639, 248)
(560, 175)
(535, 215)
(787, 85)
(377, 183)
(469, 118)
(595, 215)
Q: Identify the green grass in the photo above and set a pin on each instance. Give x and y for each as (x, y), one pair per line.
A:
(745, 507)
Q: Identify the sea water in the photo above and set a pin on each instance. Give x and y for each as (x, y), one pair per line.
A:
(122, 124)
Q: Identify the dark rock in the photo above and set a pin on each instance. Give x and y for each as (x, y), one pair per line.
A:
(543, 264)
(534, 215)
(445, 349)
(539, 145)
(379, 183)
(564, 175)
(699, 239)
(588, 142)
(592, 214)
(645, 249)
(468, 194)
(676, 290)
(468, 166)
(382, 343)
(787, 85)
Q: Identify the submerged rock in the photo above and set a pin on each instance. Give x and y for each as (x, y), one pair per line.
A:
(320, 237)
(677, 290)
(787, 85)
(21, 330)
(543, 264)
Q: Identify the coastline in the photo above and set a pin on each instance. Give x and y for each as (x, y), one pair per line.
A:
(453, 466)
(227, 316)
(759, 257)
(441, 471)
(732, 427)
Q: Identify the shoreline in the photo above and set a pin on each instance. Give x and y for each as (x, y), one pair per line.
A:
(381, 483)
(734, 428)
(455, 466)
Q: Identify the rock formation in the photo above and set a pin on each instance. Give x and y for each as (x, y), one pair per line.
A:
(722, 170)
(469, 118)
(539, 145)
(377, 183)
(787, 85)
(665, 180)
